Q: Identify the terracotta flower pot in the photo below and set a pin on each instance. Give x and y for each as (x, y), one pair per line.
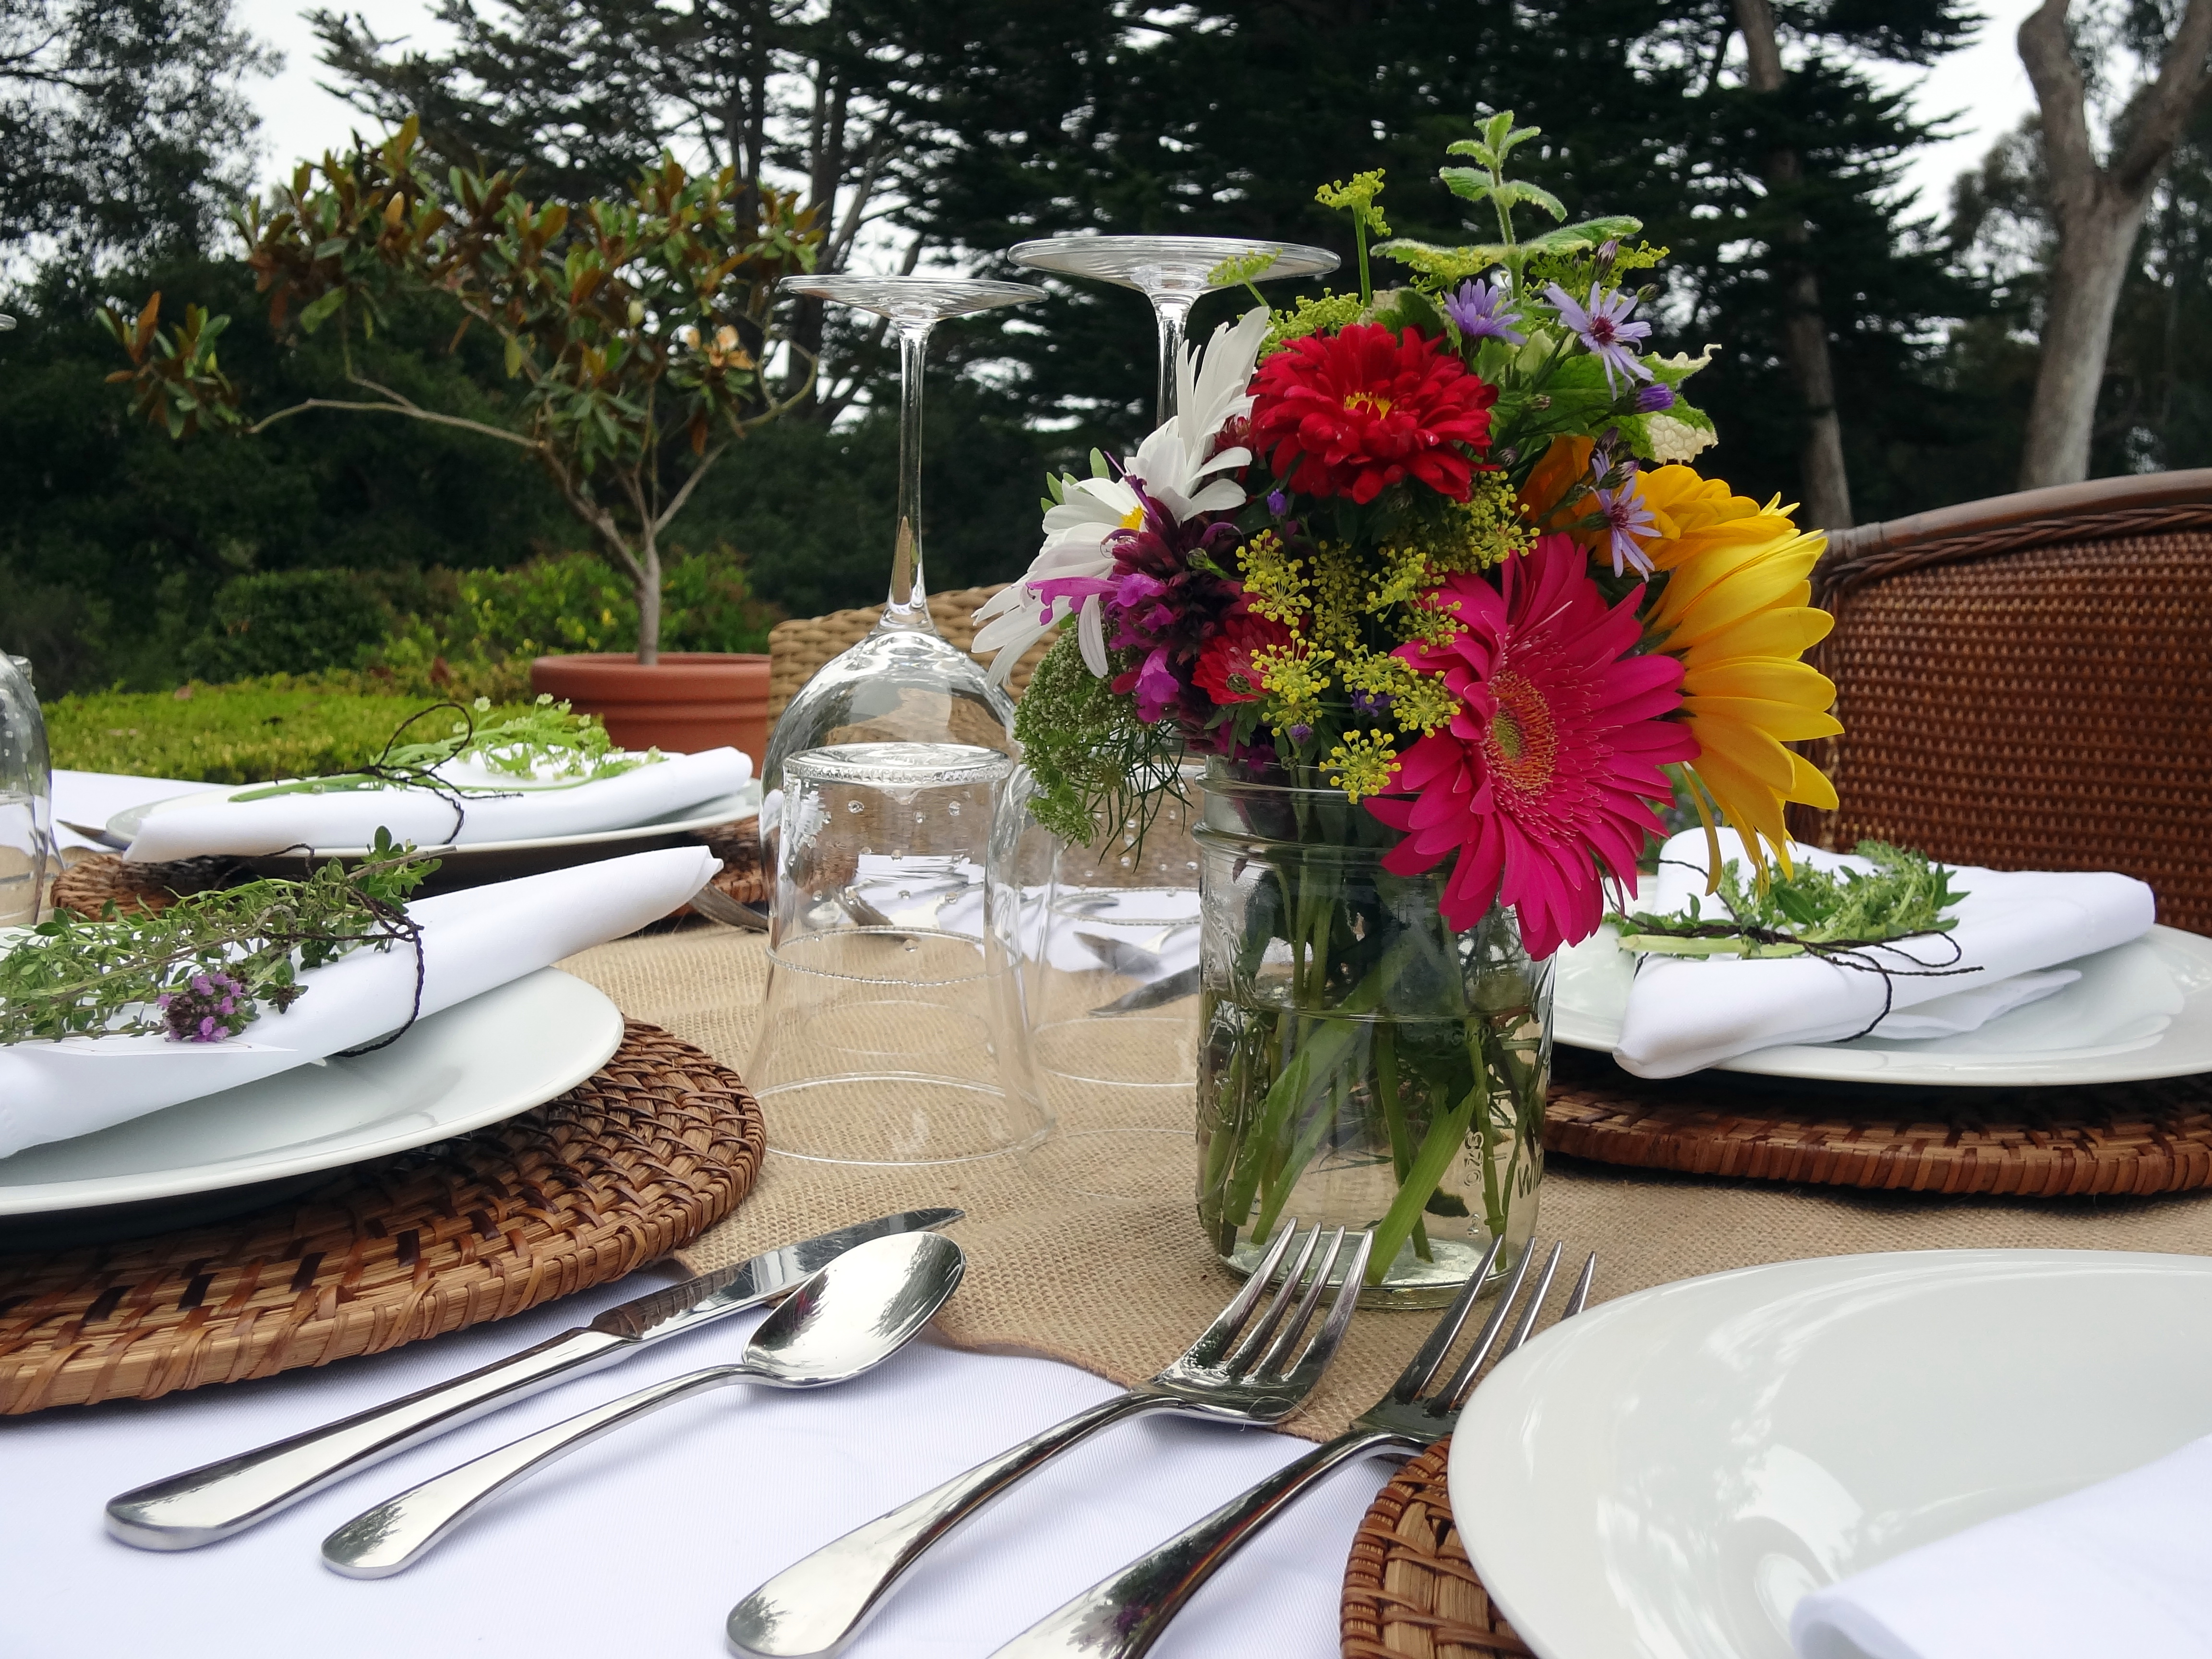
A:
(688, 701)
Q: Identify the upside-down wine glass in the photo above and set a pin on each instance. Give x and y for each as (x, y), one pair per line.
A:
(1173, 272)
(905, 683)
(1110, 975)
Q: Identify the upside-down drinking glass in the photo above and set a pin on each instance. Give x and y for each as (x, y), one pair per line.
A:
(905, 682)
(1173, 272)
(892, 1032)
(26, 798)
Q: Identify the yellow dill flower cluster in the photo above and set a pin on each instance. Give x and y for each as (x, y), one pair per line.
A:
(1294, 680)
(1362, 762)
(1419, 703)
(1275, 583)
(1325, 315)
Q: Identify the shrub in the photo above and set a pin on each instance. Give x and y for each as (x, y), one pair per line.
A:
(288, 622)
(253, 733)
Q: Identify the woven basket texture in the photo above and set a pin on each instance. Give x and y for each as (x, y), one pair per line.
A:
(91, 884)
(2127, 1140)
(638, 1160)
(796, 649)
(1409, 1591)
(2030, 696)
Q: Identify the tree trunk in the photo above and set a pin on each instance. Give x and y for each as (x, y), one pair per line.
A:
(2096, 246)
(648, 599)
(2099, 210)
(1826, 483)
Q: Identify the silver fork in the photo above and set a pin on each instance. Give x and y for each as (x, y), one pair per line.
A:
(817, 1605)
(1122, 1616)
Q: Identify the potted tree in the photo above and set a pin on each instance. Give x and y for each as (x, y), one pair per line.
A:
(637, 332)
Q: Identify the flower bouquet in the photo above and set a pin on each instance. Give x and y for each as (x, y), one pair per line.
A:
(1426, 574)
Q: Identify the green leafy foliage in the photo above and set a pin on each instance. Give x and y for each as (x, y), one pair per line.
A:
(297, 621)
(71, 977)
(1906, 895)
(1090, 755)
(249, 733)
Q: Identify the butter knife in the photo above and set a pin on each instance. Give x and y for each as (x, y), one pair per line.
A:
(205, 1505)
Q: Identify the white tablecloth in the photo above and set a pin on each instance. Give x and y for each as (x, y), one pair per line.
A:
(640, 1544)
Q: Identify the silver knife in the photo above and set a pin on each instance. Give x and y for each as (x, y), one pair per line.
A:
(204, 1505)
(1174, 988)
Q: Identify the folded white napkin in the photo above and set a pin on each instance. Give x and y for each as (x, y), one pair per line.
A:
(472, 941)
(527, 810)
(2118, 1568)
(1684, 1014)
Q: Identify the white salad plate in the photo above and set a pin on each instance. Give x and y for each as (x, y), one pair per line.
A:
(482, 1060)
(2140, 1010)
(1666, 1476)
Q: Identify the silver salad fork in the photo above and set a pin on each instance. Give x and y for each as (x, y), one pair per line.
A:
(817, 1605)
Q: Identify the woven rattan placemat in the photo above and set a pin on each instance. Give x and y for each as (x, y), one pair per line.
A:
(1408, 1587)
(1090, 1253)
(2111, 1140)
(658, 1146)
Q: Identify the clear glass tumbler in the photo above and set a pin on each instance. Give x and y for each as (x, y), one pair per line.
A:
(893, 1031)
(25, 798)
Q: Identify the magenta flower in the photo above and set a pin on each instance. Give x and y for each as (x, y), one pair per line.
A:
(1479, 309)
(1605, 329)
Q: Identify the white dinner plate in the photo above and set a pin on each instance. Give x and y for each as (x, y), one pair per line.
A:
(2140, 1010)
(1666, 1476)
(484, 1060)
(700, 815)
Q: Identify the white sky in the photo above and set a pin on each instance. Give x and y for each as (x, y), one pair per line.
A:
(1984, 83)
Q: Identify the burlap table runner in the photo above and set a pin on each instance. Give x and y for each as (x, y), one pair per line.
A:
(1090, 1252)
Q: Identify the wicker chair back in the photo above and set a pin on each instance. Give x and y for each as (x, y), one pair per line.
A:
(2026, 683)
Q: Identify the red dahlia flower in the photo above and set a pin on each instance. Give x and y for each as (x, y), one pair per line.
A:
(1539, 782)
(1360, 410)
(1224, 667)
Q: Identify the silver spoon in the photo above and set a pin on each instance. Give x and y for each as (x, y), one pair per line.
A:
(850, 1316)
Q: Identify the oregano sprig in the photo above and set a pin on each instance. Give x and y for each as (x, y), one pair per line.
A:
(73, 977)
(1905, 896)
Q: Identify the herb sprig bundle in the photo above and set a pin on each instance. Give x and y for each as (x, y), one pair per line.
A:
(1906, 895)
(545, 741)
(71, 977)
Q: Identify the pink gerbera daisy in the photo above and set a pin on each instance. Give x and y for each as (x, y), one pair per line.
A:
(1540, 781)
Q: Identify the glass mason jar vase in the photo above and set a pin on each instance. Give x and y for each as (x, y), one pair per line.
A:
(1360, 1062)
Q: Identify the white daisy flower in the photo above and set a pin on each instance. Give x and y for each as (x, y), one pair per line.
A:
(1212, 388)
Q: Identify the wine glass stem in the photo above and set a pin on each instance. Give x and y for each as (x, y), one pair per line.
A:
(1171, 312)
(908, 604)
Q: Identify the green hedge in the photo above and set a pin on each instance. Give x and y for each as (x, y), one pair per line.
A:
(246, 733)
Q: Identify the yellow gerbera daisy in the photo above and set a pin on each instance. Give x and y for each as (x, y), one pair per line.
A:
(1735, 611)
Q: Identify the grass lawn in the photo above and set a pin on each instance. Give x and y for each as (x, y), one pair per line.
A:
(246, 733)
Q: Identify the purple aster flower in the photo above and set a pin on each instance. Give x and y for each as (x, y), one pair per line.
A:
(1278, 502)
(1605, 329)
(1655, 398)
(1625, 517)
(1300, 734)
(1480, 308)
(1368, 705)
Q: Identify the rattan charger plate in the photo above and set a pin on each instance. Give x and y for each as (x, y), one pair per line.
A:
(637, 1160)
(1409, 1589)
(2130, 1140)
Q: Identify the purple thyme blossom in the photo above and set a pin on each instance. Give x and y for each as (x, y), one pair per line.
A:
(203, 1009)
(1605, 329)
(1655, 398)
(1626, 517)
(1480, 308)
(1299, 733)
